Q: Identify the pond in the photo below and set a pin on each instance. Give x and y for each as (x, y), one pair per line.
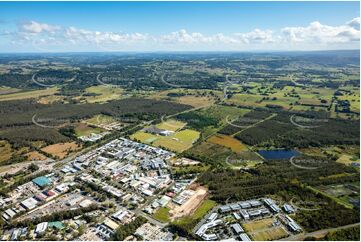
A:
(278, 154)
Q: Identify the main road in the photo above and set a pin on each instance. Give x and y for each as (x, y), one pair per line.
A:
(318, 233)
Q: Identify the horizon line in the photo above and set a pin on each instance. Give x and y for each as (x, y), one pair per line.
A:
(177, 51)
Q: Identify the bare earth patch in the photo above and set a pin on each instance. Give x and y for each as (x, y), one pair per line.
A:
(191, 205)
(61, 150)
(35, 155)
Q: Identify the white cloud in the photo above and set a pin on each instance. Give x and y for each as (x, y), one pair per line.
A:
(182, 36)
(314, 36)
(81, 35)
(355, 23)
(256, 36)
(34, 27)
(318, 33)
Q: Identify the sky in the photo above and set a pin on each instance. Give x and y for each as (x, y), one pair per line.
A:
(178, 26)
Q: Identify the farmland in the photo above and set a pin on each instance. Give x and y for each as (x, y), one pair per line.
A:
(227, 141)
(101, 94)
(215, 112)
(60, 150)
(29, 94)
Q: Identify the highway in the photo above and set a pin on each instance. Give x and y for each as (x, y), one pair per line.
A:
(318, 233)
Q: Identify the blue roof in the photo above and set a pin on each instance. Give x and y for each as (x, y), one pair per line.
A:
(42, 181)
(56, 224)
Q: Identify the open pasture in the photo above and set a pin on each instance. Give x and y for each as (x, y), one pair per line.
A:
(171, 124)
(29, 94)
(102, 94)
(82, 129)
(228, 141)
(61, 150)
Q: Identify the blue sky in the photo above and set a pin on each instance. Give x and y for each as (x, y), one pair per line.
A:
(153, 26)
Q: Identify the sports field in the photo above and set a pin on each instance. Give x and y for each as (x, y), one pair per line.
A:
(264, 229)
(258, 224)
(178, 142)
(269, 234)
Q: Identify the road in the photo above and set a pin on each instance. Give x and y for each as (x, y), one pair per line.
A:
(317, 233)
(13, 168)
(255, 124)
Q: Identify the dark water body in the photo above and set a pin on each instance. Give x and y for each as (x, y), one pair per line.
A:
(278, 154)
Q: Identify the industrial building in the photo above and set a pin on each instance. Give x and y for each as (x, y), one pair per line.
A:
(42, 181)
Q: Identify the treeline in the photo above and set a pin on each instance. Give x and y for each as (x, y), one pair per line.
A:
(321, 173)
(348, 234)
(236, 185)
(15, 80)
(56, 216)
(23, 117)
(280, 132)
(22, 112)
(197, 120)
(248, 119)
(126, 230)
(5, 190)
(231, 185)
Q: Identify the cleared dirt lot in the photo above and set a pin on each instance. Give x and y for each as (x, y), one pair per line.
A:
(61, 150)
(193, 202)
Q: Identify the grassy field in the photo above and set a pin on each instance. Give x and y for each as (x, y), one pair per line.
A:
(348, 159)
(353, 96)
(270, 234)
(220, 112)
(5, 150)
(29, 94)
(334, 198)
(162, 215)
(297, 98)
(171, 124)
(52, 99)
(190, 221)
(211, 151)
(8, 90)
(189, 97)
(35, 155)
(100, 119)
(258, 225)
(203, 209)
(263, 230)
(195, 101)
(227, 141)
(178, 142)
(103, 93)
(82, 129)
(61, 150)
(246, 159)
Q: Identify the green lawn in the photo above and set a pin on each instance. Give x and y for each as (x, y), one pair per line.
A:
(188, 223)
(162, 215)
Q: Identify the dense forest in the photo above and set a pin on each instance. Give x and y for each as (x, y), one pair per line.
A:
(19, 127)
